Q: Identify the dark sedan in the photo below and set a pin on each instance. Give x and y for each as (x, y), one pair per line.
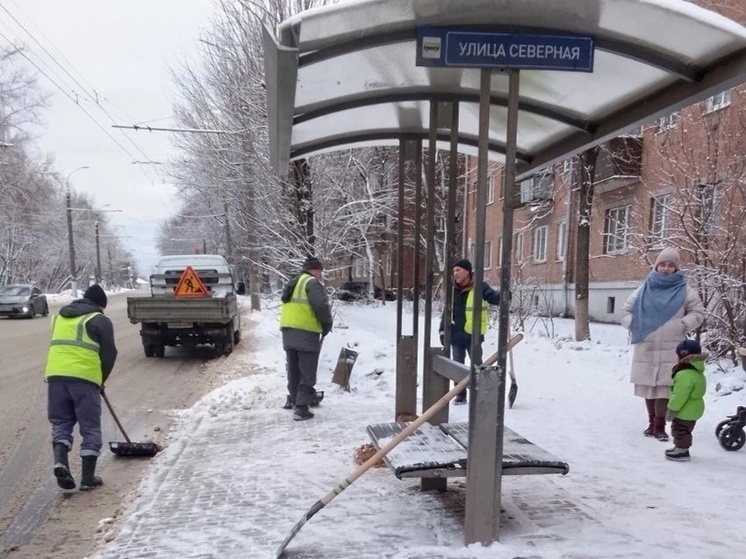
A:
(22, 300)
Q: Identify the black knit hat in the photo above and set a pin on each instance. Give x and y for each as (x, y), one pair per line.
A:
(95, 294)
(312, 263)
(463, 263)
(688, 347)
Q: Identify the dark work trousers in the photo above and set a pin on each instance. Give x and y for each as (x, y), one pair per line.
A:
(681, 430)
(301, 368)
(70, 402)
(461, 347)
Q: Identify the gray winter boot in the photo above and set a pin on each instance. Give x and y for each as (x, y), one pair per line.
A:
(62, 466)
(678, 454)
(89, 479)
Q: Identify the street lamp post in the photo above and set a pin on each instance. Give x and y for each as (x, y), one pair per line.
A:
(98, 255)
(73, 268)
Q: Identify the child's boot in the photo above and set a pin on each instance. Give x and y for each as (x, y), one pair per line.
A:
(678, 454)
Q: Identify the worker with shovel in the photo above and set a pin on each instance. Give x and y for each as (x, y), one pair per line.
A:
(461, 319)
(305, 319)
(81, 356)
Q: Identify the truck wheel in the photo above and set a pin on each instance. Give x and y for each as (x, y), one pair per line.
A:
(148, 349)
(236, 337)
(159, 350)
(220, 349)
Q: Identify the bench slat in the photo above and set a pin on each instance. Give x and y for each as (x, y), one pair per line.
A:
(441, 451)
(520, 456)
(428, 450)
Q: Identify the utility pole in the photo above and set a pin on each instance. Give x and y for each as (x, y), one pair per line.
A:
(98, 255)
(73, 284)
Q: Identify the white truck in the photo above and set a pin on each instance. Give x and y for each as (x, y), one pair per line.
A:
(171, 318)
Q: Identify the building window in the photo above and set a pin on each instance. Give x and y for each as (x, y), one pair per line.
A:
(705, 206)
(659, 219)
(357, 270)
(540, 244)
(667, 122)
(717, 101)
(616, 230)
(610, 305)
(536, 188)
(519, 247)
(487, 255)
(561, 240)
(500, 252)
(388, 264)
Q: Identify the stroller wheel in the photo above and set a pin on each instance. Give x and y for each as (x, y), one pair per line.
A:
(732, 438)
(720, 426)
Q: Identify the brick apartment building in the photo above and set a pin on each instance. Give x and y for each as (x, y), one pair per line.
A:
(677, 181)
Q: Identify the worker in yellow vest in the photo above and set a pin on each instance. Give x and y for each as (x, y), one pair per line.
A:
(461, 318)
(81, 356)
(305, 319)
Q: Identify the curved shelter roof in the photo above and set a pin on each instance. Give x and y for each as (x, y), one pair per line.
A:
(344, 75)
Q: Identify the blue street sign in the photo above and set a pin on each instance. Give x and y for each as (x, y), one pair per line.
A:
(462, 48)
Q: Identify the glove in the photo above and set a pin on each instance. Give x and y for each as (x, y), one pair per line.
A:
(670, 415)
(442, 338)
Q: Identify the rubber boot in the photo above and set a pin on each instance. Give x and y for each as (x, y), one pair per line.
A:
(89, 479)
(302, 413)
(651, 422)
(659, 429)
(289, 405)
(62, 467)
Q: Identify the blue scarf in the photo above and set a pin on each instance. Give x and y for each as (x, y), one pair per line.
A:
(659, 300)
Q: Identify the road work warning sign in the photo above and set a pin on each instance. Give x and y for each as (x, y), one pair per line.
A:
(190, 285)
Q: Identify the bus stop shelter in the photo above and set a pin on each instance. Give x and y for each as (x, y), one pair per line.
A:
(366, 72)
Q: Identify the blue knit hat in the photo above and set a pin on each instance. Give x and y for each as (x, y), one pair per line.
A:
(688, 347)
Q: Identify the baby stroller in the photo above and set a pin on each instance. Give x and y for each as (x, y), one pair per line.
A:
(730, 431)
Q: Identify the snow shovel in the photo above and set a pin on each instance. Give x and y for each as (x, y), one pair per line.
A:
(128, 449)
(411, 428)
(513, 392)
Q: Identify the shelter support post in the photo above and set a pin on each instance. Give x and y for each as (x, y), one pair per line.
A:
(406, 377)
(427, 377)
(406, 356)
(482, 511)
(504, 316)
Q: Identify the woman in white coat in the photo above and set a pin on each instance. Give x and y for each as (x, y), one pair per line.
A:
(658, 316)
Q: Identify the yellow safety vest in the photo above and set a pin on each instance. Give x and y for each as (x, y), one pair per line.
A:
(297, 312)
(72, 352)
(468, 326)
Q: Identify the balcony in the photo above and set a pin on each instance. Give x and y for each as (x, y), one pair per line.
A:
(619, 164)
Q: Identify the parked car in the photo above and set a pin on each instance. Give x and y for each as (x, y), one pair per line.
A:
(22, 300)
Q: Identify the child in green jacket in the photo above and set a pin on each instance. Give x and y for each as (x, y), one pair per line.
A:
(686, 404)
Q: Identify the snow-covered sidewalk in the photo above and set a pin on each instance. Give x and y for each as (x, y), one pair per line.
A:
(238, 472)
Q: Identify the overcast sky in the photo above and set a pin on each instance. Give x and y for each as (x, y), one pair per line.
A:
(120, 53)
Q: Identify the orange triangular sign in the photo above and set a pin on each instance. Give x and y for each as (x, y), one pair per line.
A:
(190, 285)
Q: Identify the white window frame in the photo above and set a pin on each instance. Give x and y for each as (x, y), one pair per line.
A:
(487, 255)
(660, 216)
(539, 235)
(358, 269)
(518, 247)
(717, 101)
(616, 229)
(500, 252)
(561, 240)
(387, 264)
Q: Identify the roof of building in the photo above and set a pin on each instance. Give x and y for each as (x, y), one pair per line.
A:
(345, 75)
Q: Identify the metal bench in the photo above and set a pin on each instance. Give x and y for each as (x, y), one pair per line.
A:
(440, 451)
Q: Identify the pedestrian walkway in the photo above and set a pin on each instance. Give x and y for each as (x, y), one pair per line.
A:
(234, 489)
